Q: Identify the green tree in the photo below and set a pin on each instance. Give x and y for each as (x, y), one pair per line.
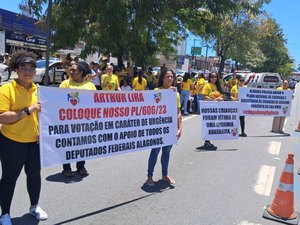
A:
(135, 29)
(272, 43)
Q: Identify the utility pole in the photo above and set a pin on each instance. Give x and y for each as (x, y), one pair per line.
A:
(48, 41)
(206, 56)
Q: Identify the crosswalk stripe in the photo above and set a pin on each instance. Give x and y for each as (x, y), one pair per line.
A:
(247, 223)
(264, 180)
(274, 147)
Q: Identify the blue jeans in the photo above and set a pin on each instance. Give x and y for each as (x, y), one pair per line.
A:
(198, 98)
(165, 156)
(184, 97)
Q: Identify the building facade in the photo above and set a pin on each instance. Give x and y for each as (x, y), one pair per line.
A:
(18, 32)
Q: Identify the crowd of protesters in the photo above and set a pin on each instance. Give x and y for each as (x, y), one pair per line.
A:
(19, 107)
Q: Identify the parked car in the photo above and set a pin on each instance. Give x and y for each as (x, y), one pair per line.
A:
(179, 73)
(155, 70)
(265, 80)
(56, 71)
(3, 72)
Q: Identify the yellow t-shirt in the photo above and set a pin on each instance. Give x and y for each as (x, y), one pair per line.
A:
(85, 85)
(234, 91)
(232, 82)
(211, 91)
(199, 85)
(281, 88)
(150, 77)
(112, 82)
(137, 86)
(187, 85)
(13, 98)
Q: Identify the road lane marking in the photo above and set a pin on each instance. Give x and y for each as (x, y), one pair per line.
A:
(265, 180)
(248, 223)
(274, 147)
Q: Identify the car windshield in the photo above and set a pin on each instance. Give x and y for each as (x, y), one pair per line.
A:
(42, 63)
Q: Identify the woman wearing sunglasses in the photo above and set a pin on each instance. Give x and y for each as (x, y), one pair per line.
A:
(234, 95)
(212, 91)
(19, 134)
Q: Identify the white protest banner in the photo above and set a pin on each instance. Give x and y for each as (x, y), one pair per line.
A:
(265, 102)
(219, 120)
(78, 125)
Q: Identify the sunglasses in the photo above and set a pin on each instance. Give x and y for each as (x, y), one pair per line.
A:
(241, 80)
(26, 69)
(214, 77)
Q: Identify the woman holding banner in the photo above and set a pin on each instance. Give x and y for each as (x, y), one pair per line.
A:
(234, 95)
(278, 121)
(212, 91)
(78, 80)
(19, 134)
(166, 81)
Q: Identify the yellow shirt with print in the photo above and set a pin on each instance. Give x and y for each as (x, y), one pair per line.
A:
(112, 82)
(211, 91)
(199, 85)
(14, 98)
(138, 86)
(187, 85)
(85, 85)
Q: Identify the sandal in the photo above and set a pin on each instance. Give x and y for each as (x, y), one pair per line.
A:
(169, 180)
(83, 172)
(68, 173)
(150, 181)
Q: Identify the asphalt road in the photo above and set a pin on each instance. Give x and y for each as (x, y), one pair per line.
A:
(229, 186)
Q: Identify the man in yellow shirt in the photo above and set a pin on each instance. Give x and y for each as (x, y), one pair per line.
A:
(199, 87)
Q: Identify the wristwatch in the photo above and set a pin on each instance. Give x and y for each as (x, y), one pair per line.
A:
(26, 110)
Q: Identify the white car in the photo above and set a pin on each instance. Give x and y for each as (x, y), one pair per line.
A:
(179, 73)
(3, 72)
(155, 70)
(56, 72)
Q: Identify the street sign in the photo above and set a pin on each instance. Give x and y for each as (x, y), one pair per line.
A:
(196, 51)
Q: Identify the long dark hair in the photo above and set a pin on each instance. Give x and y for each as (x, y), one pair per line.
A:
(162, 75)
(219, 88)
(186, 76)
(140, 76)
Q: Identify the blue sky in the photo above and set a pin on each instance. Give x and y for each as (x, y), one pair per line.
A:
(286, 13)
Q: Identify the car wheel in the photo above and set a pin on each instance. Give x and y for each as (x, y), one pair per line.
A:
(45, 80)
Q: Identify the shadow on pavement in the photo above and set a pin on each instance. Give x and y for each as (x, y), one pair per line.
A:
(159, 186)
(198, 149)
(58, 177)
(103, 210)
(25, 219)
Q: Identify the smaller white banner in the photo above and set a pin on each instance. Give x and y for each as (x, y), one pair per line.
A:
(265, 102)
(220, 120)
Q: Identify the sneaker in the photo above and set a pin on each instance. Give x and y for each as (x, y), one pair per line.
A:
(243, 134)
(83, 172)
(150, 181)
(38, 213)
(5, 219)
(210, 146)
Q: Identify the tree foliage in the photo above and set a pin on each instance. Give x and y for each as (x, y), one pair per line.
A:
(135, 29)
